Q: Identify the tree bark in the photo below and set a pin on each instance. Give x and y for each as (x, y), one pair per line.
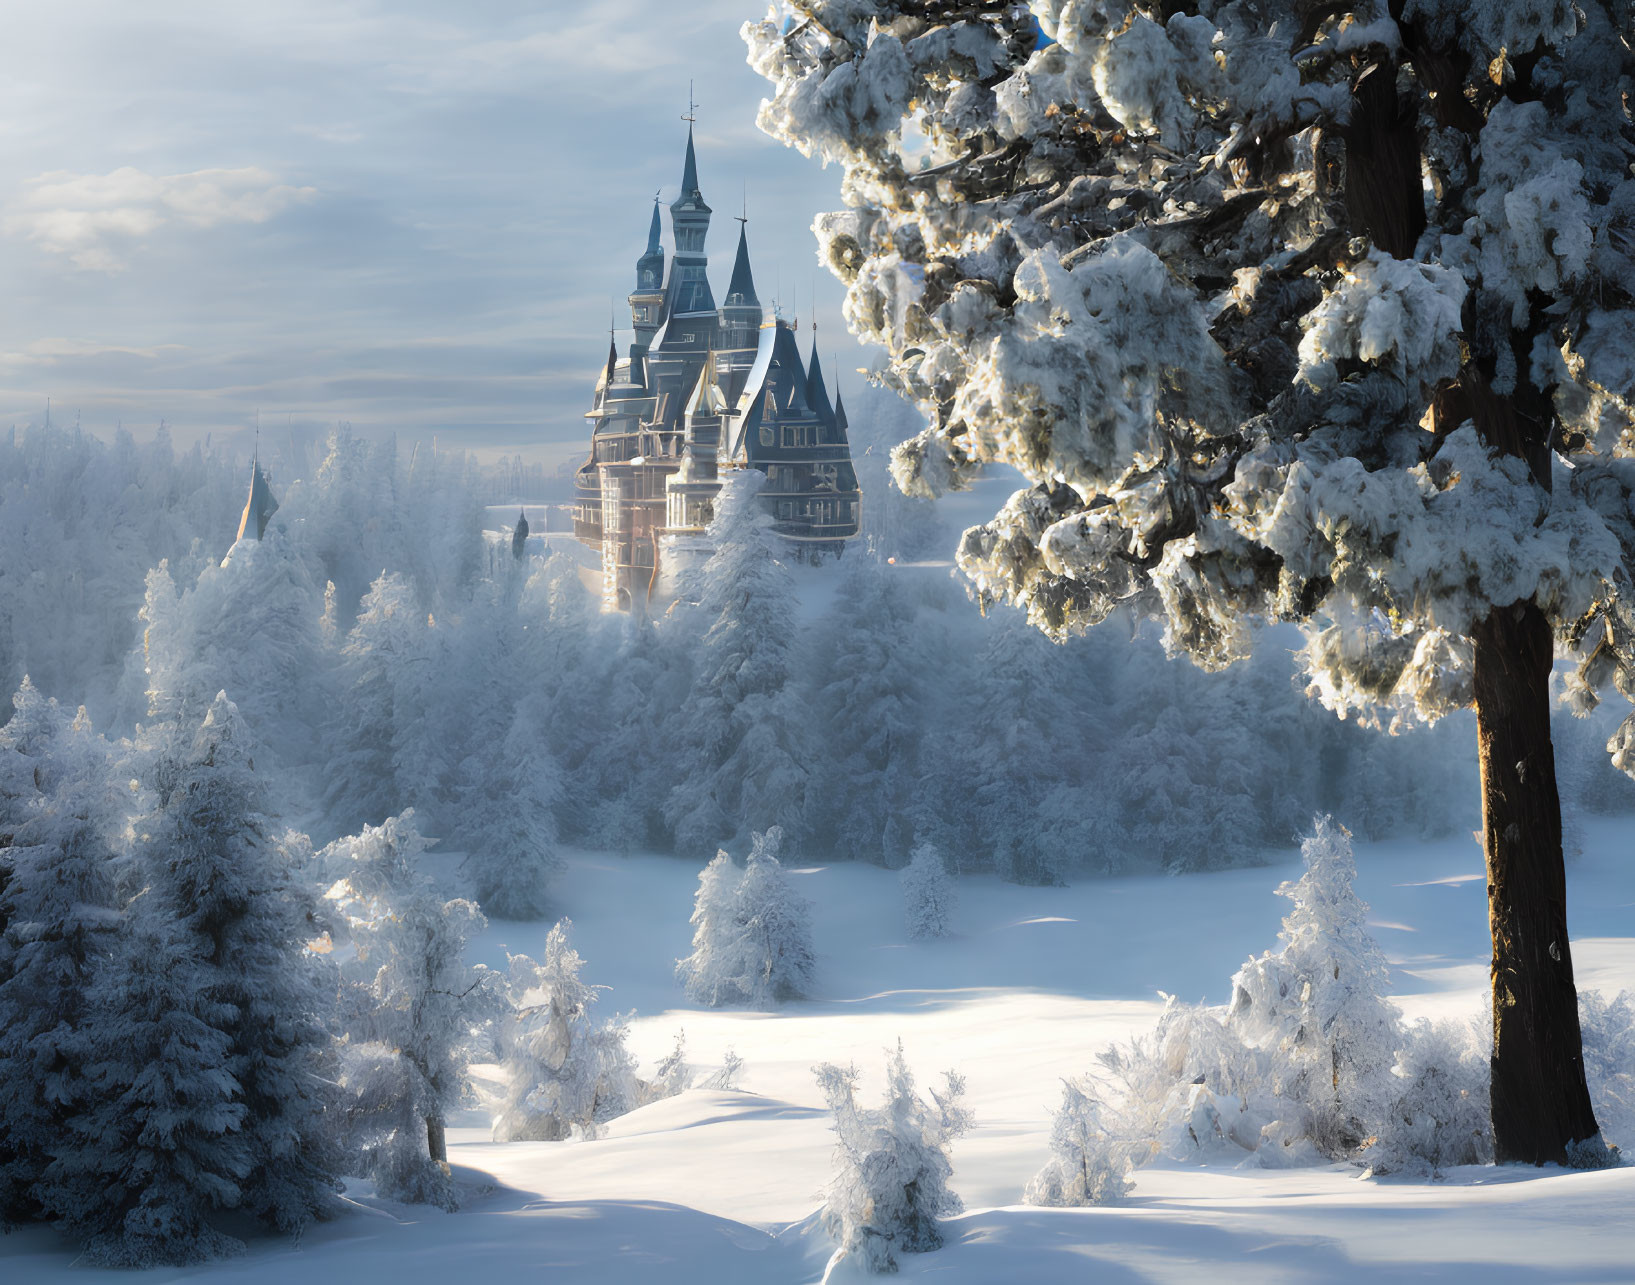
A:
(1540, 1100)
(436, 1141)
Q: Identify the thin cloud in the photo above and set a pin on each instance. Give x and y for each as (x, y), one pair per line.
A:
(92, 218)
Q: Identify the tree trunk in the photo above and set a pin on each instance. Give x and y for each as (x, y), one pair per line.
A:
(437, 1143)
(1540, 1100)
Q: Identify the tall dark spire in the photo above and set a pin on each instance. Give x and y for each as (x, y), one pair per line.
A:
(612, 357)
(689, 172)
(650, 267)
(259, 507)
(840, 413)
(689, 290)
(817, 396)
(742, 288)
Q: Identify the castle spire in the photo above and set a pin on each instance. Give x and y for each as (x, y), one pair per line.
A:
(260, 506)
(817, 396)
(689, 171)
(650, 267)
(742, 288)
(689, 292)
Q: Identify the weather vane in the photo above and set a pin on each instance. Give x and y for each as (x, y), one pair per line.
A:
(692, 107)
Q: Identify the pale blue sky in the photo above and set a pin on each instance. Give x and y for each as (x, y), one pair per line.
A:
(410, 216)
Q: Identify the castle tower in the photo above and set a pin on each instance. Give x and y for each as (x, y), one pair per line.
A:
(260, 506)
(817, 395)
(741, 314)
(689, 293)
(647, 301)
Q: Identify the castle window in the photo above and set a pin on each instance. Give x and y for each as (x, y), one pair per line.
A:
(766, 435)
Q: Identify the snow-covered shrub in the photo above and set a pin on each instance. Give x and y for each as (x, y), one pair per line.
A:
(892, 1164)
(409, 1005)
(1309, 1062)
(752, 934)
(1440, 1115)
(929, 896)
(1318, 1005)
(726, 1075)
(1609, 1062)
(671, 1076)
(1087, 1165)
(565, 1072)
(1191, 1089)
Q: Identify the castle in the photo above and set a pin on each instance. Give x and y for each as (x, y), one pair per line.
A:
(702, 389)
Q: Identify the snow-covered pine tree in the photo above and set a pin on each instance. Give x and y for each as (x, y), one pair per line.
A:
(743, 728)
(752, 932)
(1319, 1003)
(248, 626)
(929, 896)
(361, 785)
(159, 1143)
(238, 900)
(1087, 1166)
(1285, 312)
(1011, 747)
(713, 974)
(506, 793)
(566, 1073)
(410, 1007)
(626, 771)
(774, 923)
(57, 922)
(892, 1166)
(865, 671)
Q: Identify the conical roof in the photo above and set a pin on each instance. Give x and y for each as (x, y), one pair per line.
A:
(840, 413)
(259, 507)
(650, 267)
(817, 396)
(690, 195)
(742, 289)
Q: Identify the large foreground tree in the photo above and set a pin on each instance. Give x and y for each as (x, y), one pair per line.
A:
(1305, 310)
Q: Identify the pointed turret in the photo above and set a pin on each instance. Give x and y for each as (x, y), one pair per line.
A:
(741, 315)
(647, 300)
(840, 415)
(689, 176)
(817, 396)
(259, 508)
(650, 267)
(519, 537)
(690, 221)
(612, 358)
(742, 289)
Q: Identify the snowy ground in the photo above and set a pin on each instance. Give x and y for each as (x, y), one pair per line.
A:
(719, 1186)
